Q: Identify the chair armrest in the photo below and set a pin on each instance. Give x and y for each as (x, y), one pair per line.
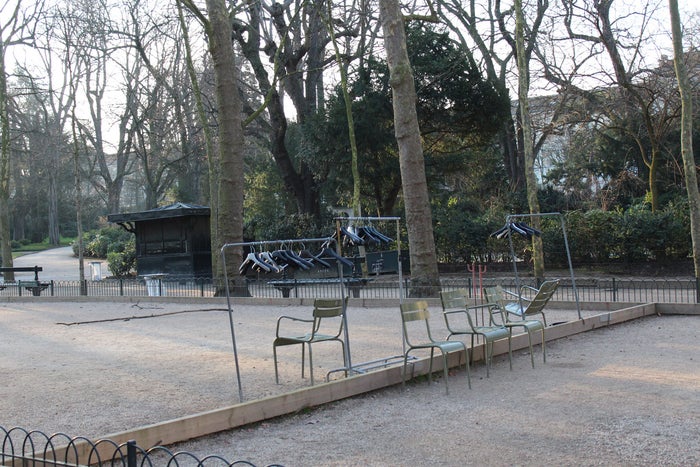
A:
(452, 312)
(491, 308)
(512, 294)
(520, 296)
(290, 318)
(529, 289)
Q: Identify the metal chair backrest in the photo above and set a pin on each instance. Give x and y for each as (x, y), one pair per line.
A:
(415, 311)
(327, 308)
(456, 300)
(495, 295)
(543, 295)
(453, 299)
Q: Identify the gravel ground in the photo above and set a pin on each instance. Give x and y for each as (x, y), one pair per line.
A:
(624, 395)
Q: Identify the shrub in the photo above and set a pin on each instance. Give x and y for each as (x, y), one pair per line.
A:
(121, 263)
(98, 243)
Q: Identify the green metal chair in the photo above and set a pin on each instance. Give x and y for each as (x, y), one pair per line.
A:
(455, 306)
(325, 310)
(497, 295)
(416, 333)
(531, 301)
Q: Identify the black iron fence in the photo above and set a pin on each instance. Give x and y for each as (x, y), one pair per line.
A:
(664, 290)
(21, 447)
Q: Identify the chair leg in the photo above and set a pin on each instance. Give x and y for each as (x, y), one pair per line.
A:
(544, 348)
(472, 349)
(486, 357)
(403, 373)
(469, 376)
(274, 357)
(345, 360)
(444, 370)
(529, 340)
(510, 349)
(311, 365)
(405, 364)
(466, 365)
(430, 368)
(303, 350)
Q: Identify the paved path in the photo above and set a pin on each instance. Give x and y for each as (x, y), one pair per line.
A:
(59, 264)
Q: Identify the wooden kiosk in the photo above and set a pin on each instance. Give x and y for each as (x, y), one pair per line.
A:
(174, 240)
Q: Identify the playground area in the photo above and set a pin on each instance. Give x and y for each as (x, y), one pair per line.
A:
(94, 368)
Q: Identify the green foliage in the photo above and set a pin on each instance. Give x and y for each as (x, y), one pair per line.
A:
(121, 263)
(459, 113)
(595, 236)
(648, 235)
(454, 99)
(98, 243)
(461, 234)
(264, 197)
(26, 245)
(627, 236)
(291, 226)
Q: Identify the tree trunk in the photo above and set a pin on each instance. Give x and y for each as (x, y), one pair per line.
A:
(230, 208)
(5, 246)
(299, 180)
(528, 141)
(425, 280)
(653, 176)
(54, 233)
(512, 156)
(212, 156)
(347, 98)
(689, 168)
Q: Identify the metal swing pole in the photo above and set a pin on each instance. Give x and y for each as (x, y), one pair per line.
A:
(230, 319)
(343, 292)
(228, 291)
(338, 220)
(566, 245)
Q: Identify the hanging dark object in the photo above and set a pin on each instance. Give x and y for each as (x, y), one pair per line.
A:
(519, 228)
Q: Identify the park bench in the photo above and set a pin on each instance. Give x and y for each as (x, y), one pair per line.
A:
(354, 284)
(34, 286)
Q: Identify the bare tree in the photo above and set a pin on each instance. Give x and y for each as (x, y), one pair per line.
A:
(293, 36)
(229, 219)
(17, 29)
(425, 279)
(523, 57)
(109, 162)
(163, 140)
(481, 30)
(46, 115)
(690, 168)
(625, 81)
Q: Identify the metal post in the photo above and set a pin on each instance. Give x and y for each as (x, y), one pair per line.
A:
(338, 220)
(228, 291)
(566, 245)
(131, 453)
(470, 268)
(230, 320)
